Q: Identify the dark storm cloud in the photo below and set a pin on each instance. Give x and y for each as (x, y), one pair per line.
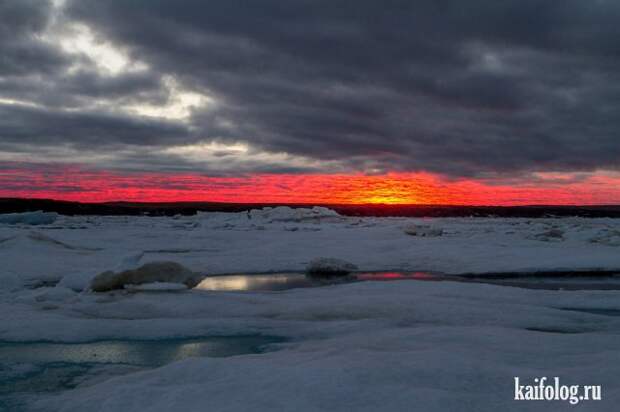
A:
(461, 88)
(83, 87)
(33, 126)
(22, 50)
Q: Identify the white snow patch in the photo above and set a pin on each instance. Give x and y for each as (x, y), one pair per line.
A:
(55, 294)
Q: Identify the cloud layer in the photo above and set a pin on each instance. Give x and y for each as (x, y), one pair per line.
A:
(463, 89)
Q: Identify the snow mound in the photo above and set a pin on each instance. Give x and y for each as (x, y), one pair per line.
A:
(289, 214)
(79, 279)
(40, 237)
(157, 287)
(56, 294)
(423, 231)
(551, 235)
(607, 237)
(76, 281)
(168, 272)
(29, 218)
(328, 267)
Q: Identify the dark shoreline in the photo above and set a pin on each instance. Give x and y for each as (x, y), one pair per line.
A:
(14, 205)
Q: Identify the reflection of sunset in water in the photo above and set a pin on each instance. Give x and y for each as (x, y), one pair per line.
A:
(249, 282)
(397, 276)
(224, 283)
(284, 281)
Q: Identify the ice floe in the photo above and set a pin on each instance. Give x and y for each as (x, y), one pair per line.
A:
(288, 214)
(28, 218)
(149, 273)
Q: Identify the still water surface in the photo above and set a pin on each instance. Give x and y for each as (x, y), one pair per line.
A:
(285, 281)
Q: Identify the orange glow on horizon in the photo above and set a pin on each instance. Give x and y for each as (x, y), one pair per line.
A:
(77, 184)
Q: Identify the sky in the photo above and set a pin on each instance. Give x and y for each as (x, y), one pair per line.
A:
(324, 101)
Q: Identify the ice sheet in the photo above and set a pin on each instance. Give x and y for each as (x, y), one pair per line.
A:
(367, 346)
(75, 249)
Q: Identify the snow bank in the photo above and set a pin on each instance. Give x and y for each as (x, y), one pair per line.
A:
(288, 214)
(328, 267)
(168, 272)
(28, 218)
(423, 231)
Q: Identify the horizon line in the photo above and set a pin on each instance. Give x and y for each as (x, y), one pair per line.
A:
(187, 202)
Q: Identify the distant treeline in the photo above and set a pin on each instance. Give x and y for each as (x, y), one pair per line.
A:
(12, 205)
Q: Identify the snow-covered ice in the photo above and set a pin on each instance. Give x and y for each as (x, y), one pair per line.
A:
(423, 230)
(367, 346)
(29, 218)
(75, 249)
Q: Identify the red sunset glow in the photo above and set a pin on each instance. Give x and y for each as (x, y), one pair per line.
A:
(74, 183)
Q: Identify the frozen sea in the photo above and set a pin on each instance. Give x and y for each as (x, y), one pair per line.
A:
(434, 319)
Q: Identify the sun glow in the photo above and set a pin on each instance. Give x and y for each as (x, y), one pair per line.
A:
(389, 189)
(74, 183)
